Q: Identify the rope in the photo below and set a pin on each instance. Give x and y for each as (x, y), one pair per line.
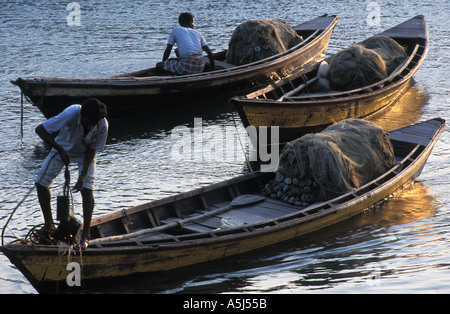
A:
(66, 189)
(21, 115)
(14, 210)
(240, 142)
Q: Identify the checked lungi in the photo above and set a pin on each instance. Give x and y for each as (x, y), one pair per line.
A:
(187, 64)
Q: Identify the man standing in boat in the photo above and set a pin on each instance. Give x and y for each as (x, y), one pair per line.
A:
(83, 130)
(190, 44)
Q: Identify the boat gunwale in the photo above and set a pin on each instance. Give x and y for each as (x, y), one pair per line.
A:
(131, 82)
(292, 220)
(335, 97)
(260, 228)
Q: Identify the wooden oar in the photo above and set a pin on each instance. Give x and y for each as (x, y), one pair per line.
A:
(245, 199)
(298, 88)
(321, 73)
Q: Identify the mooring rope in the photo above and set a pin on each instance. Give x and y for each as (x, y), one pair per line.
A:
(240, 142)
(20, 203)
(21, 115)
(12, 213)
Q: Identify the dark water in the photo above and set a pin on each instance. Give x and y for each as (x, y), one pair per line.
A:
(402, 245)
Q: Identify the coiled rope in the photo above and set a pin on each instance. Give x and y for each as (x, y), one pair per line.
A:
(66, 191)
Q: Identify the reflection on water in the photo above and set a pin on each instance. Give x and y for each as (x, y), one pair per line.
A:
(416, 202)
(405, 111)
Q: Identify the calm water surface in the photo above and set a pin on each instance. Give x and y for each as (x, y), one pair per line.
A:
(402, 245)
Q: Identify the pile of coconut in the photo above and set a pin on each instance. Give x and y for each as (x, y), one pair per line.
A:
(318, 167)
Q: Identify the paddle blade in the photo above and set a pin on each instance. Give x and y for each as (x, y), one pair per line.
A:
(246, 199)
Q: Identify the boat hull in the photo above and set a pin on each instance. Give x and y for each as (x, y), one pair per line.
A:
(48, 267)
(296, 120)
(296, 116)
(137, 96)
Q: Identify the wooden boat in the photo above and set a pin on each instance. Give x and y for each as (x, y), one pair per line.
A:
(301, 113)
(146, 91)
(184, 229)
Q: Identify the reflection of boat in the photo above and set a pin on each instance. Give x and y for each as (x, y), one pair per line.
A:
(296, 113)
(185, 229)
(412, 204)
(149, 91)
(407, 109)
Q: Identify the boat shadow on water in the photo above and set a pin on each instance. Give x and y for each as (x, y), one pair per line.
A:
(164, 122)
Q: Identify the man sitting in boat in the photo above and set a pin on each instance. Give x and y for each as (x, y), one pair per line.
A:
(83, 130)
(190, 44)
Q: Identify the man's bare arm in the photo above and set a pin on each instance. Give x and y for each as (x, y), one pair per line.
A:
(50, 140)
(167, 52)
(212, 62)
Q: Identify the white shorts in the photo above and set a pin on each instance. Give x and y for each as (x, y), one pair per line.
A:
(53, 166)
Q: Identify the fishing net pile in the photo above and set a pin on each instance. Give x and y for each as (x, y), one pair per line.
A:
(389, 50)
(365, 64)
(355, 67)
(255, 40)
(318, 167)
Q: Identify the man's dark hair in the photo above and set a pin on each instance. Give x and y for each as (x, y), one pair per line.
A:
(185, 19)
(93, 109)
